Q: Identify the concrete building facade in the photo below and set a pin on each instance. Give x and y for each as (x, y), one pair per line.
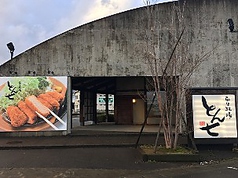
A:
(108, 55)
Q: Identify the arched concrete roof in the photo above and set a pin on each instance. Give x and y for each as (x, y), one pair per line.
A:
(116, 45)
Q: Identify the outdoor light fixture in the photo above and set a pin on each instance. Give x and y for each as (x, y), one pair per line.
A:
(12, 72)
(50, 72)
(31, 72)
(134, 101)
(231, 25)
(11, 48)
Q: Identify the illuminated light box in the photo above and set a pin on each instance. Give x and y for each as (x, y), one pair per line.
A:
(214, 116)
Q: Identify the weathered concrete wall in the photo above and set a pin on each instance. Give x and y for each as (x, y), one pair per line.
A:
(209, 29)
(114, 46)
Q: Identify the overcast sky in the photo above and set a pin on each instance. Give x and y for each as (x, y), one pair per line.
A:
(27, 23)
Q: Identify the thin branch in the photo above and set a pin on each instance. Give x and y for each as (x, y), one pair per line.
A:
(180, 37)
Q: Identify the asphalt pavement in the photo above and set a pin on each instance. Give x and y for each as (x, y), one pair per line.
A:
(85, 136)
(114, 155)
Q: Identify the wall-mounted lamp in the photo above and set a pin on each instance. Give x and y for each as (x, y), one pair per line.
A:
(12, 72)
(231, 25)
(11, 48)
(50, 72)
(31, 72)
(133, 101)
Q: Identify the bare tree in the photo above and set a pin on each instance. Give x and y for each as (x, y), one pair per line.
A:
(170, 74)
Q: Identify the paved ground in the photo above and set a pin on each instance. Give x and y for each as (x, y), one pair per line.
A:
(121, 140)
(109, 150)
(103, 162)
(92, 135)
(209, 169)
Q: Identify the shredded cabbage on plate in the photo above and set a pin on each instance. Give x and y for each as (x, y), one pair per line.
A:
(18, 88)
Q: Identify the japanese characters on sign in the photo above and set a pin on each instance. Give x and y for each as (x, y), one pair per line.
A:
(214, 116)
(12, 90)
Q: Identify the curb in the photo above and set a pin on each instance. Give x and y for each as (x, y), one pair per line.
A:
(63, 146)
(170, 157)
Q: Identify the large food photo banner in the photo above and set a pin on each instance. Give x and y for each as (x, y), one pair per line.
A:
(33, 103)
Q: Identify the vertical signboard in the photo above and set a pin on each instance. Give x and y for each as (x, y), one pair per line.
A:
(214, 116)
(33, 103)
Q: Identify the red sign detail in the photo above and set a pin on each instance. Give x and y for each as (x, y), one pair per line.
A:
(202, 123)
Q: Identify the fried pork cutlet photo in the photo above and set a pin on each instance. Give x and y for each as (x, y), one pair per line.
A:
(32, 116)
(50, 100)
(36, 105)
(17, 117)
(58, 96)
(47, 104)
